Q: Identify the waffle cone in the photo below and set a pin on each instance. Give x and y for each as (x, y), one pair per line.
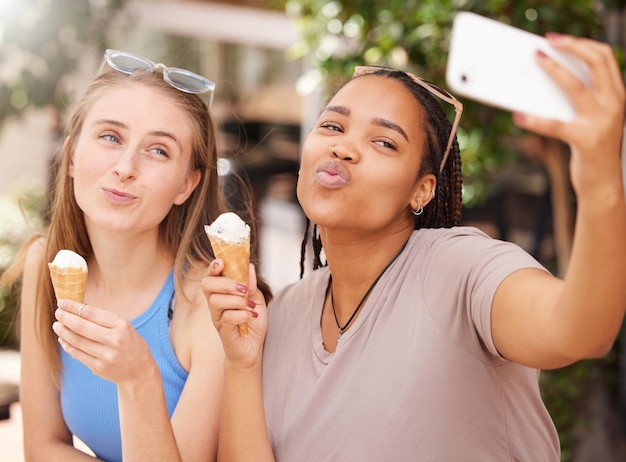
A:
(236, 258)
(69, 283)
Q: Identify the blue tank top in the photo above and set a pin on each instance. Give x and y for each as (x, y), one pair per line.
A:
(89, 403)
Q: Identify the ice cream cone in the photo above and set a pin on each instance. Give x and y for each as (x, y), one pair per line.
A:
(69, 283)
(236, 258)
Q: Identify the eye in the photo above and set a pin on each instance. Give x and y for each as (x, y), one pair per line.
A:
(386, 144)
(110, 137)
(331, 126)
(159, 151)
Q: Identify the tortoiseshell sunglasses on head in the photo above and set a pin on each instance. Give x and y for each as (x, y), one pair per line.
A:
(433, 90)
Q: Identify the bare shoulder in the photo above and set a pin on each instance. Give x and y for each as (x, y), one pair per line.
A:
(36, 249)
(32, 259)
(197, 306)
(193, 335)
(193, 302)
(192, 286)
(34, 256)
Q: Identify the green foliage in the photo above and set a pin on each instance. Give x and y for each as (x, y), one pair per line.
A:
(41, 43)
(563, 391)
(22, 213)
(414, 35)
(566, 392)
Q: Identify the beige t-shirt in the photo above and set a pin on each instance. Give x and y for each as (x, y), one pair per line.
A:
(417, 376)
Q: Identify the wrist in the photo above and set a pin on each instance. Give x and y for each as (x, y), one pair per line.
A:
(238, 366)
(603, 198)
(142, 381)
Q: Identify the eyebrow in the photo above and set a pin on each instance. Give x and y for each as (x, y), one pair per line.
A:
(389, 124)
(338, 109)
(117, 123)
(381, 122)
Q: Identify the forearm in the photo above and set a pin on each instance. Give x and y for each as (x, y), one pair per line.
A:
(145, 425)
(57, 450)
(243, 431)
(45, 437)
(593, 300)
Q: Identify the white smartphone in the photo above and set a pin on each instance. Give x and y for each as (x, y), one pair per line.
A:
(495, 64)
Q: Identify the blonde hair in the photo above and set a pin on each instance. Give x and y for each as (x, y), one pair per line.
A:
(181, 232)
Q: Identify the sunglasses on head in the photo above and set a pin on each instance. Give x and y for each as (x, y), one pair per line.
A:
(181, 79)
(433, 90)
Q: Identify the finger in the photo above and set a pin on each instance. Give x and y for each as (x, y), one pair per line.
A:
(233, 318)
(71, 306)
(89, 312)
(81, 349)
(76, 353)
(73, 343)
(594, 103)
(216, 267)
(546, 127)
(252, 282)
(219, 303)
(600, 58)
(214, 283)
(576, 90)
(86, 328)
(253, 290)
(96, 341)
(595, 54)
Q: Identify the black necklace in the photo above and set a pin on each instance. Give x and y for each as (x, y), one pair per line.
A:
(358, 307)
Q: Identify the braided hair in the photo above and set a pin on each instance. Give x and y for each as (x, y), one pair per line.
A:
(444, 211)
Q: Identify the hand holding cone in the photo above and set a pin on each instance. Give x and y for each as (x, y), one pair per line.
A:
(230, 239)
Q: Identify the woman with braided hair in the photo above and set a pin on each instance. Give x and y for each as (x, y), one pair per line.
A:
(421, 339)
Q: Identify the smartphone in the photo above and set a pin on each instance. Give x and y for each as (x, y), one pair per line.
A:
(495, 64)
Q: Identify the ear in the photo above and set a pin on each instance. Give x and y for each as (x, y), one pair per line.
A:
(192, 180)
(424, 191)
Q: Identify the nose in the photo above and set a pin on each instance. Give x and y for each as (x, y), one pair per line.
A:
(343, 152)
(125, 166)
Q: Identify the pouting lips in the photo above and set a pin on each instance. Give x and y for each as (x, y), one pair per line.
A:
(332, 174)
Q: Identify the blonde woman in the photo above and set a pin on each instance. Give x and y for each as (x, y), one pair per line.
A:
(136, 372)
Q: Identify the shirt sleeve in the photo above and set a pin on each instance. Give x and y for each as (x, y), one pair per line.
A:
(464, 268)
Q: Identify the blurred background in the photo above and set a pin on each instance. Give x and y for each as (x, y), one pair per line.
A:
(274, 63)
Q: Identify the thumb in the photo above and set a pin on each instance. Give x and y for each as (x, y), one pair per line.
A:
(252, 278)
(216, 267)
